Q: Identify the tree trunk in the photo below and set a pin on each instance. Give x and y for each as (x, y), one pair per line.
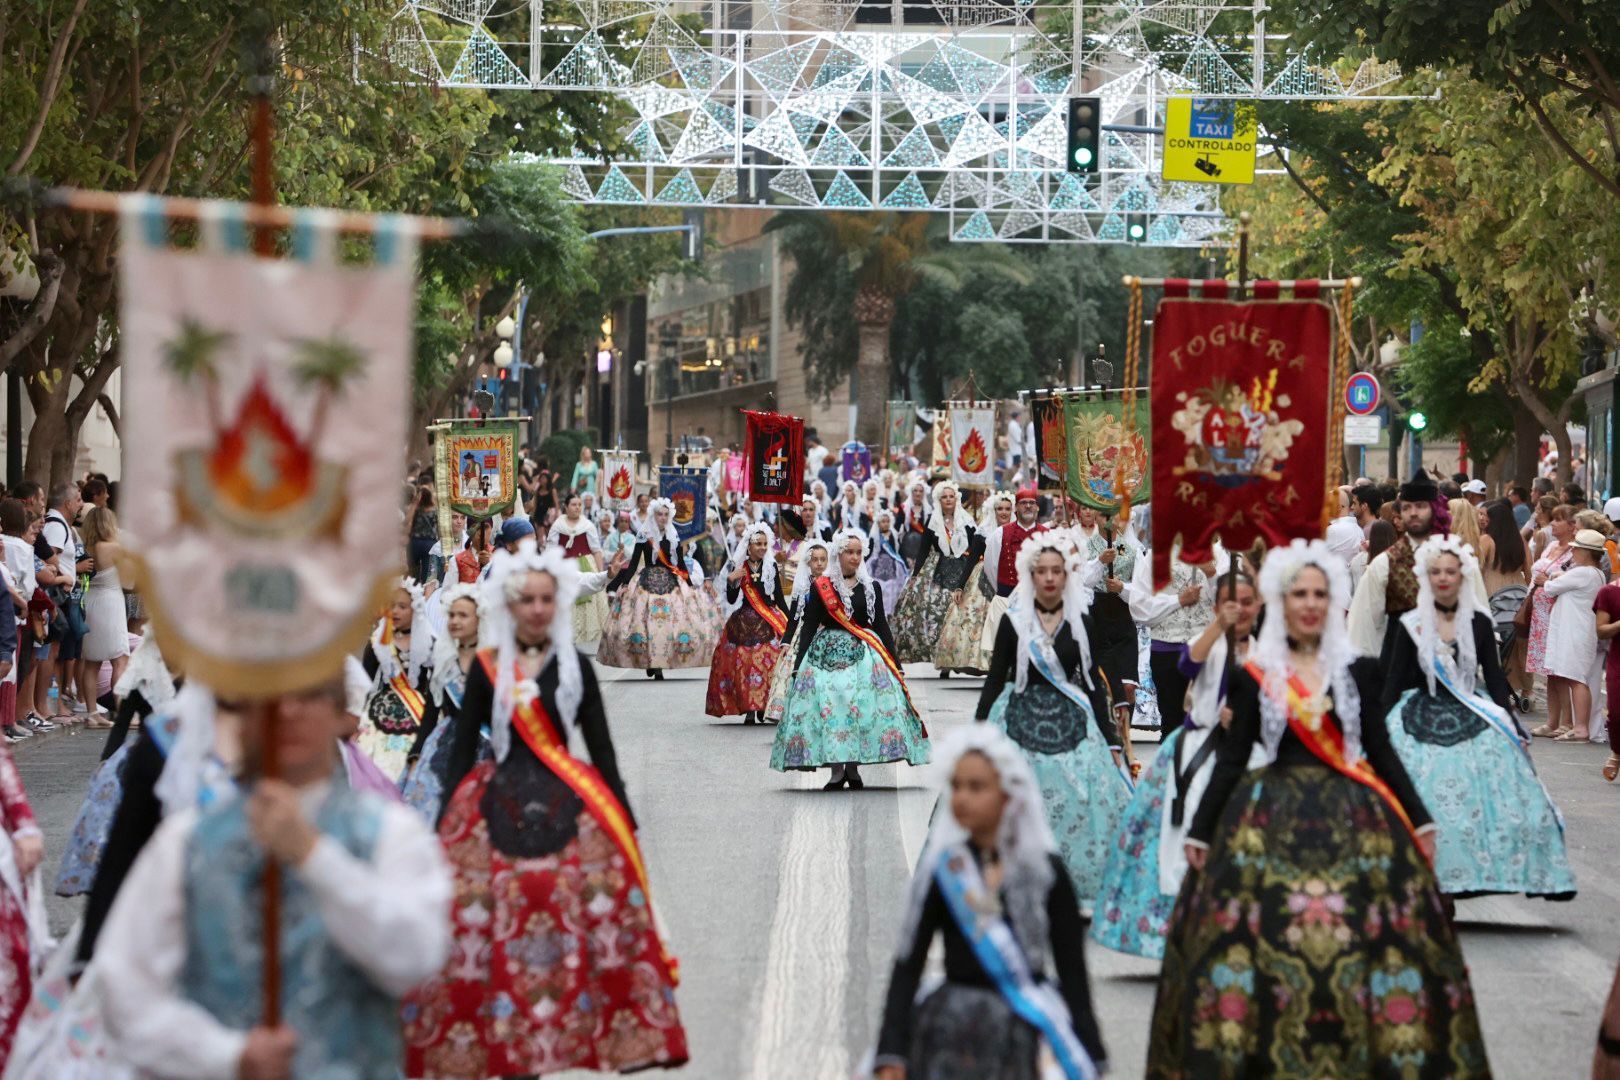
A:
(1527, 431)
(872, 382)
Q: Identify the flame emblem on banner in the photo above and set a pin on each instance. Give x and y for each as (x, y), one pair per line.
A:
(972, 458)
(619, 483)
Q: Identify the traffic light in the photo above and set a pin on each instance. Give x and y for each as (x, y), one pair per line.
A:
(1085, 135)
(1416, 421)
(1136, 228)
(692, 238)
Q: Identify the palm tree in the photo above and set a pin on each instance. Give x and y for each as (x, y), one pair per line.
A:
(191, 355)
(326, 365)
(850, 273)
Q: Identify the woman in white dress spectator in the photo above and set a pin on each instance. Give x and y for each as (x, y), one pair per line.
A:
(107, 639)
(1572, 631)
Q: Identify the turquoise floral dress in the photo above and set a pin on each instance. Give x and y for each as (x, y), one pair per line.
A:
(1069, 746)
(1315, 941)
(844, 706)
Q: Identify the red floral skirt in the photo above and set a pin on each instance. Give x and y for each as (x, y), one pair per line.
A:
(740, 678)
(554, 962)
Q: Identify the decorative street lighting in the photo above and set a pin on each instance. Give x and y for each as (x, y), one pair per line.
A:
(503, 355)
(506, 328)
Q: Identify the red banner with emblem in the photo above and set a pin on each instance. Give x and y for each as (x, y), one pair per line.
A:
(774, 449)
(1240, 409)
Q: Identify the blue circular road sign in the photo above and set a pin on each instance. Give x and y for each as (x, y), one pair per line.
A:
(1362, 394)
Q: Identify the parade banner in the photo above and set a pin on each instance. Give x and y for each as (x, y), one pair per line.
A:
(688, 489)
(939, 439)
(902, 428)
(266, 403)
(1051, 441)
(774, 448)
(855, 463)
(475, 467)
(1241, 390)
(618, 480)
(973, 443)
(1102, 455)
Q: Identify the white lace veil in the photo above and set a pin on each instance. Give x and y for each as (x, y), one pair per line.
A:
(181, 780)
(1084, 574)
(446, 654)
(767, 565)
(507, 573)
(958, 542)
(987, 512)
(422, 638)
(1334, 655)
(147, 673)
(863, 576)
(801, 576)
(1420, 621)
(649, 531)
(1023, 842)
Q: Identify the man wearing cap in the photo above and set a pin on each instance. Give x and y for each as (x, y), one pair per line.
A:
(1389, 588)
(1001, 548)
(1474, 492)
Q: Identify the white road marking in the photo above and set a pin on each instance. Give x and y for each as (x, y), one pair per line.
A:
(807, 966)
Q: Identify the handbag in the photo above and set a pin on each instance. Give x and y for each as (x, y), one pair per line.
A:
(1521, 618)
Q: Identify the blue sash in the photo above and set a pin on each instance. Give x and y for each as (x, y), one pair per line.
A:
(1003, 959)
(1500, 722)
(1061, 683)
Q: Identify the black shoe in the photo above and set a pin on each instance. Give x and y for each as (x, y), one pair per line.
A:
(748, 718)
(834, 785)
(650, 672)
(944, 672)
(15, 734)
(852, 777)
(658, 673)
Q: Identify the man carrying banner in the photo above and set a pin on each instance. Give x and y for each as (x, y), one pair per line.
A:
(1001, 548)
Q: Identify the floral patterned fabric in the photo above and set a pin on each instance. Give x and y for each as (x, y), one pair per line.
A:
(919, 614)
(970, 1033)
(387, 731)
(92, 826)
(1541, 610)
(961, 633)
(890, 572)
(740, 674)
(1084, 793)
(782, 677)
(590, 612)
(1313, 944)
(1499, 831)
(1131, 913)
(554, 961)
(843, 707)
(657, 621)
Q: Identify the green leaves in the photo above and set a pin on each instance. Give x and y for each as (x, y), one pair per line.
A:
(191, 355)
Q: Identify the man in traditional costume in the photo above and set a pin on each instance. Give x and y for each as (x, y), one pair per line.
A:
(1389, 588)
(364, 892)
(1001, 548)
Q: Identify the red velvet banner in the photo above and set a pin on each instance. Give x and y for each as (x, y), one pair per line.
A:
(1240, 411)
(775, 452)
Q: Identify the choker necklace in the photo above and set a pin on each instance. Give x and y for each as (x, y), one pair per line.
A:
(1452, 610)
(1044, 610)
(532, 650)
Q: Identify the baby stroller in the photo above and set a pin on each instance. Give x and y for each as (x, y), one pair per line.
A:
(1505, 604)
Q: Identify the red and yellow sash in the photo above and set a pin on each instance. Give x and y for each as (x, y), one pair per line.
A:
(540, 734)
(835, 608)
(664, 561)
(763, 607)
(1326, 741)
(414, 702)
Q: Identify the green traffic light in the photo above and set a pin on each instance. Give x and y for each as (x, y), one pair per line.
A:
(1417, 421)
(1082, 156)
(1137, 232)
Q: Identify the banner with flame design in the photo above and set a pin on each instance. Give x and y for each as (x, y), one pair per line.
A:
(618, 480)
(266, 403)
(1241, 393)
(1051, 441)
(475, 467)
(688, 489)
(973, 444)
(1102, 455)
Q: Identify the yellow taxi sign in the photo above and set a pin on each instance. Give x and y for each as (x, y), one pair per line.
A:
(1209, 140)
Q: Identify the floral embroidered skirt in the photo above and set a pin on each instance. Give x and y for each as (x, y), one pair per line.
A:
(554, 961)
(846, 707)
(1313, 944)
(1499, 831)
(423, 787)
(657, 621)
(16, 973)
(919, 614)
(891, 574)
(590, 612)
(782, 678)
(93, 825)
(961, 632)
(1084, 793)
(387, 732)
(970, 1033)
(740, 674)
(1131, 912)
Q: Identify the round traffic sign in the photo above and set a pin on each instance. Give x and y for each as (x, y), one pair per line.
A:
(1362, 394)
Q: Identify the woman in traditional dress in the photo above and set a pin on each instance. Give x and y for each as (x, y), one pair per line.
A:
(556, 961)
(453, 654)
(579, 540)
(1147, 864)
(818, 492)
(887, 566)
(712, 549)
(848, 705)
(849, 512)
(735, 529)
(951, 550)
(1459, 741)
(813, 560)
(20, 934)
(658, 619)
(1313, 941)
(750, 644)
(913, 523)
(991, 884)
(961, 637)
(399, 659)
(1115, 642)
(1042, 691)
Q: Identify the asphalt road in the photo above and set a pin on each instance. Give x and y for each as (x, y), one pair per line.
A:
(783, 902)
